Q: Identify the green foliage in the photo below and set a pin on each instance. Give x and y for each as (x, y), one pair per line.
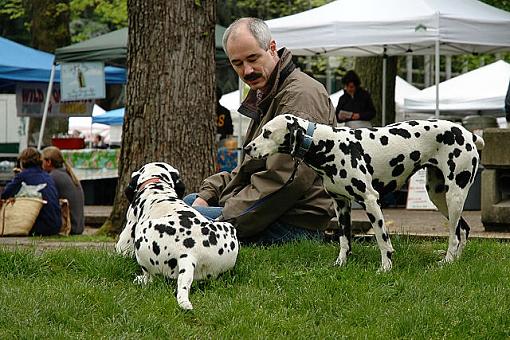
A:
(290, 291)
(91, 18)
(13, 9)
(230, 10)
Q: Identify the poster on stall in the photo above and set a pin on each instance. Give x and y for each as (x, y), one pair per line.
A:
(417, 196)
(80, 81)
(30, 99)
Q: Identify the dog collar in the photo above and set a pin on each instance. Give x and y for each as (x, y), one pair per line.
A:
(307, 141)
(149, 181)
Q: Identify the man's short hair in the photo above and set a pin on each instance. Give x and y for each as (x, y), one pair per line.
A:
(257, 27)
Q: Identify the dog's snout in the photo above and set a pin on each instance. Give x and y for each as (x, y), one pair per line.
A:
(247, 149)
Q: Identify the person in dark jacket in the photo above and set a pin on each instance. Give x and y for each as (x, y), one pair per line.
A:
(224, 126)
(68, 185)
(356, 103)
(258, 197)
(49, 220)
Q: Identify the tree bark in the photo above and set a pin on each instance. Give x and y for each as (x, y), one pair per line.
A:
(170, 93)
(370, 70)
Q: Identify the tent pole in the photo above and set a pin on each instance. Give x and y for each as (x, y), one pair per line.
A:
(46, 105)
(385, 57)
(437, 78)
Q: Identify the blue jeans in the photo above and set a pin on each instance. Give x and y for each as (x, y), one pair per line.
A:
(276, 233)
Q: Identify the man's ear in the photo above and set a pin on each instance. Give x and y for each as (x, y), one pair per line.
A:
(296, 140)
(130, 190)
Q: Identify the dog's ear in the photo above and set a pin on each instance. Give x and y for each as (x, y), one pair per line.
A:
(131, 188)
(179, 186)
(296, 139)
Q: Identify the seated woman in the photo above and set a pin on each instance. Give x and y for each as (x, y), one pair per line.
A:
(68, 185)
(49, 220)
(355, 107)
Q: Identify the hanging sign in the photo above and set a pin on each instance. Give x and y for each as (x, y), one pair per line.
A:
(82, 81)
(30, 99)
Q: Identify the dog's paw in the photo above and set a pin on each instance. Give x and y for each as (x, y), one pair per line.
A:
(385, 266)
(142, 280)
(341, 261)
(186, 305)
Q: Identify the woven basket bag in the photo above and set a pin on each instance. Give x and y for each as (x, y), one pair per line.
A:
(17, 215)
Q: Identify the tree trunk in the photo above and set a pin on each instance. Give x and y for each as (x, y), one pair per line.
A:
(170, 93)
(370, 70)
(49, 28)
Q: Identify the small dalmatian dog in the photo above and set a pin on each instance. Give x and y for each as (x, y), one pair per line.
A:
(169, 237)
(364, 164)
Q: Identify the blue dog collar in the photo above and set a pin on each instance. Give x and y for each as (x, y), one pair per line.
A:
(307, 141)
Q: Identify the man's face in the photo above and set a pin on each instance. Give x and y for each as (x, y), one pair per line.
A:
(251, 62)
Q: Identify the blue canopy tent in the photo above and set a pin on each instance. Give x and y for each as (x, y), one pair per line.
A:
(113, 117)
(19, 63)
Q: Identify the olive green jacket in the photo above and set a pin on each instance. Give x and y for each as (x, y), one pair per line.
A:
(256, 193)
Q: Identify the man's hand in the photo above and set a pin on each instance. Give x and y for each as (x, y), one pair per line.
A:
(355, 116)
(200, 202)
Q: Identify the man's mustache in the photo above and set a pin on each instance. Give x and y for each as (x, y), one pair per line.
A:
(252, 76)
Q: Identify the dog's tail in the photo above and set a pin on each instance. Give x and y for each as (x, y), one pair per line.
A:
(478, 142)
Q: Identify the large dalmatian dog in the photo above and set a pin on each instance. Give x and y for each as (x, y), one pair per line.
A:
(364, 164)
(169, 237)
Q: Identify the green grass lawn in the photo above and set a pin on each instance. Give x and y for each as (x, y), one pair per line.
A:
(290, 291)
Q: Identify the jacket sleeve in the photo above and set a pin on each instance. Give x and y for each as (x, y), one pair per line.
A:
(339, 106)
(212, 186)
(368, 107)
(269, 195)
(12, 187)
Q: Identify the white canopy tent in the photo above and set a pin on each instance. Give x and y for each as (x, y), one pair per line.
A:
(395, 27)
(483, 89)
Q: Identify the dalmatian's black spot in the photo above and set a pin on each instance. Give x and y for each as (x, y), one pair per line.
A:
(172, 263)
(459, 138)
(266, 133)
(205, 243)
(400, 132)
(138, 243)
(165, 229)
(220, 251)
(417, 134)
(427, 128)
(413, 122)
(433, 161)
(155, 248)
(415, 155)
(212, 239)
(183, 256)
(371, 135)
(189, 243)
(359, 185)
(468, 147)
(396, 160)
(456, 152)
(462, 179)
(371, 217)
(205, 231)
(357, 134)
(342, 173)
(398, 170)
(232, 245)
(384, 140)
